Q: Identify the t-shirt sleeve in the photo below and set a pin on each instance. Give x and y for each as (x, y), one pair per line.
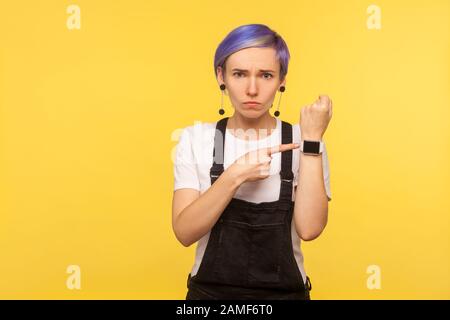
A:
(326, 173)
(185, 167)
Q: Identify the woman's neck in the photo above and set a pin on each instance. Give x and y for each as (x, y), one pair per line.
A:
(245, 128)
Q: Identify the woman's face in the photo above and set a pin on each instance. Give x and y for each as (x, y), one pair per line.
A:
(251, 74)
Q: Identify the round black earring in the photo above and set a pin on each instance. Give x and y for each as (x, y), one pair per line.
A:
(277, 113)
(221, 110)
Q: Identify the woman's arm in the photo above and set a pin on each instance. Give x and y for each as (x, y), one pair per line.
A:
(193, 215)
(311, 201)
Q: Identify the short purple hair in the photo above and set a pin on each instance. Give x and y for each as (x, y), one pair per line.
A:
(252, 36)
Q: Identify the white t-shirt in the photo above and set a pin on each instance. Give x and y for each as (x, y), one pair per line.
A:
(194, 158)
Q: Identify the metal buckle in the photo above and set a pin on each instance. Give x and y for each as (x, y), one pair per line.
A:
(214, 173)
(287, 180)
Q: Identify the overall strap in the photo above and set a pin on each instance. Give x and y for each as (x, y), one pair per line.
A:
(219, 149)
(286, 175)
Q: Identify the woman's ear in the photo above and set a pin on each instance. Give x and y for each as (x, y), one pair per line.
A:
(220, 79)
(220, 75)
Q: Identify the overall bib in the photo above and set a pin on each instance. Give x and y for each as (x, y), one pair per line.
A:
(249, 254)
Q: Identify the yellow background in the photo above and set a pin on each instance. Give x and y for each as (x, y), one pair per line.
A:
(89, 117)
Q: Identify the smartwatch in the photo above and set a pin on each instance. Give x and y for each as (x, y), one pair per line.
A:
(309, 147)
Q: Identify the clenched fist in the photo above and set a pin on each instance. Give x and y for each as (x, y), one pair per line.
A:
(314, 118)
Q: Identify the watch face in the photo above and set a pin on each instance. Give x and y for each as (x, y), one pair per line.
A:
(311, 146)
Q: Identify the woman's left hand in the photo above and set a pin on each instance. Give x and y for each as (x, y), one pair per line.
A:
(314, 118)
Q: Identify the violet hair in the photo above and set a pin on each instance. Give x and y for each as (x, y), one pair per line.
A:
(252, 36)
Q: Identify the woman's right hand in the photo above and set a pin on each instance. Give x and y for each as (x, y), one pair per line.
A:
(255, 165)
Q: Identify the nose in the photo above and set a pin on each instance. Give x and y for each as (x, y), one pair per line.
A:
(252, 88)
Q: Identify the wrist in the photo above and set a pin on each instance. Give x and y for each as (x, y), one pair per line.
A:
(234, 177)
(311, 138)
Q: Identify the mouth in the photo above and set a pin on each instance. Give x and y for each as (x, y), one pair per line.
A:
(252, 104)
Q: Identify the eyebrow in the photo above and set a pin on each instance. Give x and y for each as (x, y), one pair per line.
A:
(243, 70)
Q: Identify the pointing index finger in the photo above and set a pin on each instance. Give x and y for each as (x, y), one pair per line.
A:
(282, 148)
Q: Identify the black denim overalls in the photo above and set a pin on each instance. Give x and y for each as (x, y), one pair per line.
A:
(249, 254)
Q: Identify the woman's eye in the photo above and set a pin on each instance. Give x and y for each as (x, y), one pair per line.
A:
(266, 75)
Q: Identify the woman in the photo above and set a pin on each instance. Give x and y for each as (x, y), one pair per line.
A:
(235, 180)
